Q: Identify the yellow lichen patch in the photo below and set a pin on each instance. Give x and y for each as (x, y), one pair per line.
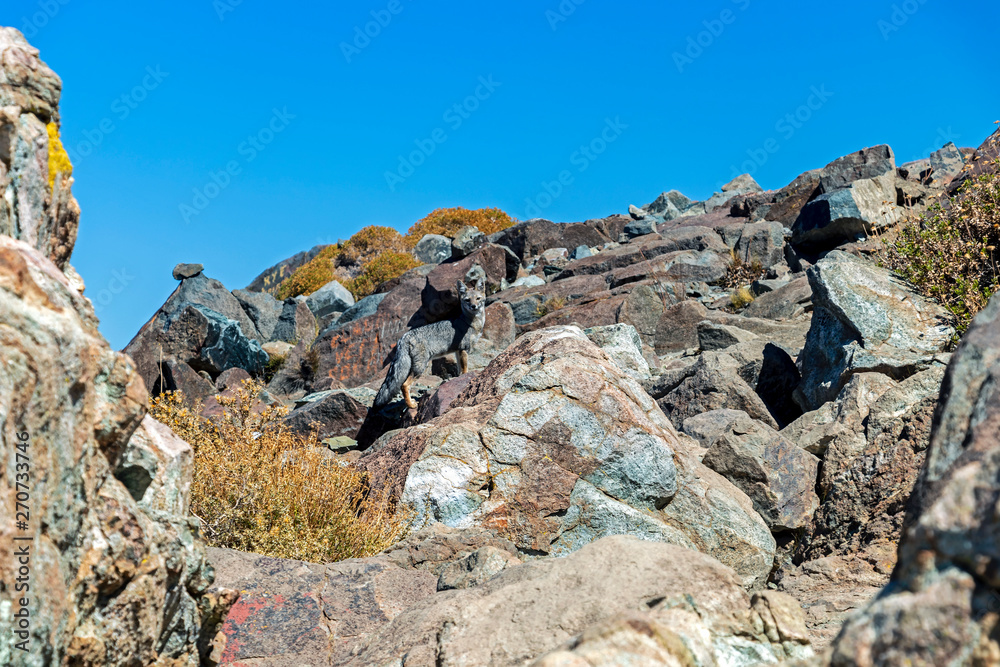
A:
(58, 159)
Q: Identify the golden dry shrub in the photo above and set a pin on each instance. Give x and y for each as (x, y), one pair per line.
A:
(741, 298)
(59, 162)
(447, 221)
(950, 253)
(383, 267)
(369, 243)
(260, 488)
(310, 276)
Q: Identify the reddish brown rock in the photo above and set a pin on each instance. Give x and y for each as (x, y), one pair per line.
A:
(335, 414)
(293, 613)
(352, 354)
(530, 239)
(440, 296)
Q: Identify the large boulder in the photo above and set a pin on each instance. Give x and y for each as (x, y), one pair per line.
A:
(691, 605)
(34, 207)
(713, 382)
(193, 336)
(355, 351)
(778, 477)
(941, 606)
(115, 580)
(333, 413)
(201, 290)
(865, 319)
(857, 196)
(556, 446)
(262, 309)
(331, 297)
(870, 473)
(296, 613)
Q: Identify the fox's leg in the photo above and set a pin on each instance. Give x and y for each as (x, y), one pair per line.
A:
(463, 361)
(410, 403)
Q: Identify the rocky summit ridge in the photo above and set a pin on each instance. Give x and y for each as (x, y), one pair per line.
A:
(701, 433)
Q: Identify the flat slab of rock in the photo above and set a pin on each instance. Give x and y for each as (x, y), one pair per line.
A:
(183, 271)
(542, 606)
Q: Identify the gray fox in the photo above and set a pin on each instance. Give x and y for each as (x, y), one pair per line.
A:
(417, 347)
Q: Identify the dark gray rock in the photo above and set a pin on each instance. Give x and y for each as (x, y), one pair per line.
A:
(263, 309)
(865, 319)
(865, 164)
(296, 323)
(712, 383)
(946, 576)
(580, 252)
(778, 477)
(762, 242)
(212, 294)
(182, 271)
(338, 413)
(714, 336)
(641, 227)
(947, 163)
(363, 308)
(857, 196)
(433, 249)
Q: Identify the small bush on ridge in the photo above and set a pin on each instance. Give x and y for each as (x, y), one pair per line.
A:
(447, 221)
(386, 266)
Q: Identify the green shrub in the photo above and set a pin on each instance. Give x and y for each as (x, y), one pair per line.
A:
(447, 221)
(950, 253)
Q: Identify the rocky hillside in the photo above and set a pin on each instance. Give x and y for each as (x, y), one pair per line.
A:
(100, 559)
(700, 433)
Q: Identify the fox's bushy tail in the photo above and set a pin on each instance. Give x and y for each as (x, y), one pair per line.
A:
(399, 370)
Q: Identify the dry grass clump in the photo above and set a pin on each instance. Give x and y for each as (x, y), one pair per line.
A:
(950, 253)
(550, 305)
(741, 273)
(258, 487)
(741, 298)
(447, 221)
(385, 266)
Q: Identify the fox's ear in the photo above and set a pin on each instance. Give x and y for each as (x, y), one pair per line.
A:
(479, 285)
(461, 287)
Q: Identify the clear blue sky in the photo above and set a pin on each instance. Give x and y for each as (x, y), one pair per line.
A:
(679, 115)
